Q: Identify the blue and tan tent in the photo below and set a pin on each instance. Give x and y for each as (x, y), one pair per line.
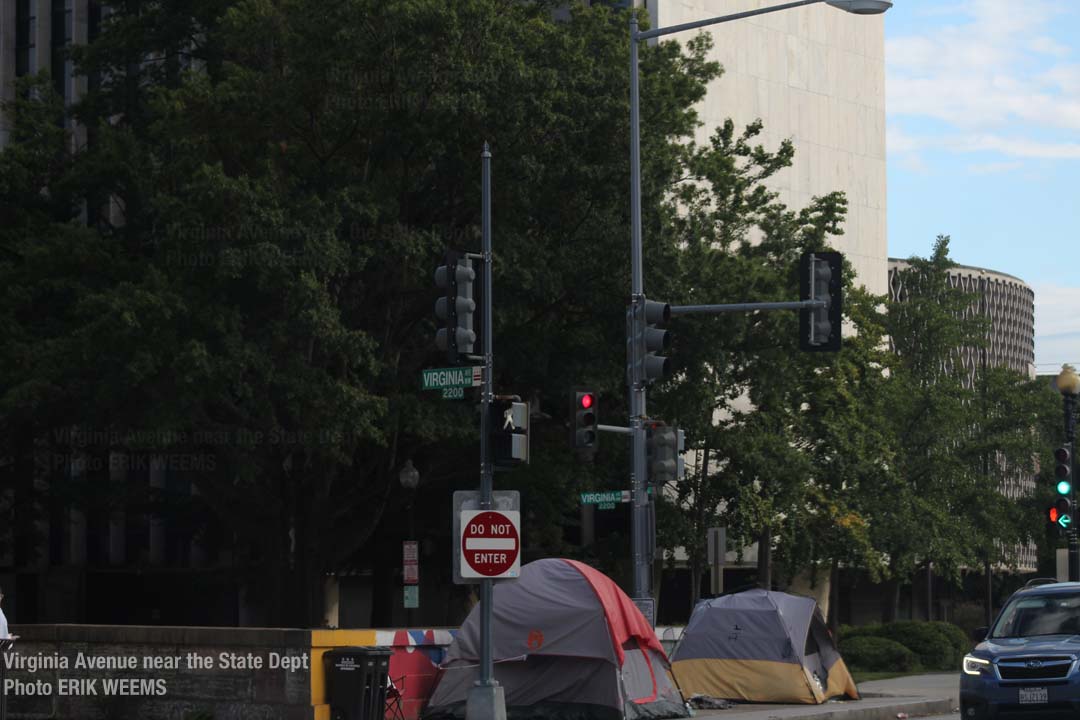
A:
(760, 646)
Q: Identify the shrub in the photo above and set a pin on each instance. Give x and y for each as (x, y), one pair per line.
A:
(969, 616)
(851, 631)
(876, 654)
(961, 641)
(930, 644)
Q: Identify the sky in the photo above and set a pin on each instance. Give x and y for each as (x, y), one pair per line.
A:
(983, 103)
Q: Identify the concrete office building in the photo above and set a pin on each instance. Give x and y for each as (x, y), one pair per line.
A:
(34, 35)
(815, 75)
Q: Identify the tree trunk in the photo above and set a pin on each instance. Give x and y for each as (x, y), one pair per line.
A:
(765, 558)
(695, 582)
(696, 563)
(929, 590)
(834, 598)
(989, 599)
(891, 608)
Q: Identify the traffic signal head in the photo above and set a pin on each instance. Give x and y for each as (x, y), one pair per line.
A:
(509, 432)
(1061, 512)
(647, 338)
(1063, 470)
(456, 307)
(820, 279)
(583, 411)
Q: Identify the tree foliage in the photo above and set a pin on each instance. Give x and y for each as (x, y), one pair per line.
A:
(223, 252)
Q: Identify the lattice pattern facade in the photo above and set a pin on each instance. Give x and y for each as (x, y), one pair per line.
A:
(1009, 304)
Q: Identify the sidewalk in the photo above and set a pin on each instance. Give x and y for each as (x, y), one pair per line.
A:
(914, 695)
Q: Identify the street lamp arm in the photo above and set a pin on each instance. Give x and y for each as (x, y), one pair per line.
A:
(657, 32)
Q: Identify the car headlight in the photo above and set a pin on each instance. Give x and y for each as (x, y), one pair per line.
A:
(974, 665)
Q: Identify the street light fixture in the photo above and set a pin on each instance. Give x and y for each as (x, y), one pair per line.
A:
(1068, 384)
(861, 7)
(640, 539)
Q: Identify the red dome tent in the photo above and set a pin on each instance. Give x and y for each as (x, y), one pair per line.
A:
(568, 643)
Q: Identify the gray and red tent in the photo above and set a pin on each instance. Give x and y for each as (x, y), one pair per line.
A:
(567, 643)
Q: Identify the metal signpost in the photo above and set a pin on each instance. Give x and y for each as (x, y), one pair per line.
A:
(716, 550)
(486, 700)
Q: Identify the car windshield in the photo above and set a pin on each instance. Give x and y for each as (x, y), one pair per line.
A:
(1050, 614)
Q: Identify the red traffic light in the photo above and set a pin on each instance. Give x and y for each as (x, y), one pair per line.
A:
(1053, 514)
(586, 400)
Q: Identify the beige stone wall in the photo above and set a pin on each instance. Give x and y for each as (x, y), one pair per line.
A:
(815, 75)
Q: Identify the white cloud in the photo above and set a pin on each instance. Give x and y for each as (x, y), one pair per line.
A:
(995, 75)
(1018, 147)
(899, 141)
(994, 168)
(1055, 310)
(1065, 78)
(1057, 326)
(903, 146)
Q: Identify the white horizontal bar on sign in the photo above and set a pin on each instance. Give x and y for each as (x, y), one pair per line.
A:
(489, 544)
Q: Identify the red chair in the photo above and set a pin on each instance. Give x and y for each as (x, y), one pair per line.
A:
(395, 695)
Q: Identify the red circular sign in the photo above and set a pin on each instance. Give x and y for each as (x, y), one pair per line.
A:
(489, 543)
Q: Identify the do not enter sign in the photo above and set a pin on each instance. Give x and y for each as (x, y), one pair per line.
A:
(490, 544)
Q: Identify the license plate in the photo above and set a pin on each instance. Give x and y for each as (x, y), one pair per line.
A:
(1032, 696)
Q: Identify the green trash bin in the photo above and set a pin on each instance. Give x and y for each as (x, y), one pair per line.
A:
(356, 682)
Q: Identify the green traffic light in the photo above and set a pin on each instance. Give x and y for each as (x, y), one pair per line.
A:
(1064, 521)
(1064, 487)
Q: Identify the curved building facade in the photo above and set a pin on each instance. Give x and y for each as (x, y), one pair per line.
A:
(1007, 301)
(1009, 304)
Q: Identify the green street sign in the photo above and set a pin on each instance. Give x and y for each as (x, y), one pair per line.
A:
(453, 393)
(458, 377)
(607, 499)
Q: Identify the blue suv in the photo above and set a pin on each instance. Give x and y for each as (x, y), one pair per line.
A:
(1026, 665)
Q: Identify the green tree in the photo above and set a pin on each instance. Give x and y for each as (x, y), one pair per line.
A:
(773, 427)
(960, 433)
(269, 187)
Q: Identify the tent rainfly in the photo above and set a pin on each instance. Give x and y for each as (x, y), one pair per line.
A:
(760, 646)
(567, 644)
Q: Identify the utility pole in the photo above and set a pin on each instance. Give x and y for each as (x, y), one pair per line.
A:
(638, 314)
(486, 700)
(1070, 441)
(1068, 384)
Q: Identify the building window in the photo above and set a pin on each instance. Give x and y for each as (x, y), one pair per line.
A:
(25, 31)
(61, 39)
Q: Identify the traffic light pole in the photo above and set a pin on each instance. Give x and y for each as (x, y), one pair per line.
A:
(641, 537)
(486, 700)
(1071, 532)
